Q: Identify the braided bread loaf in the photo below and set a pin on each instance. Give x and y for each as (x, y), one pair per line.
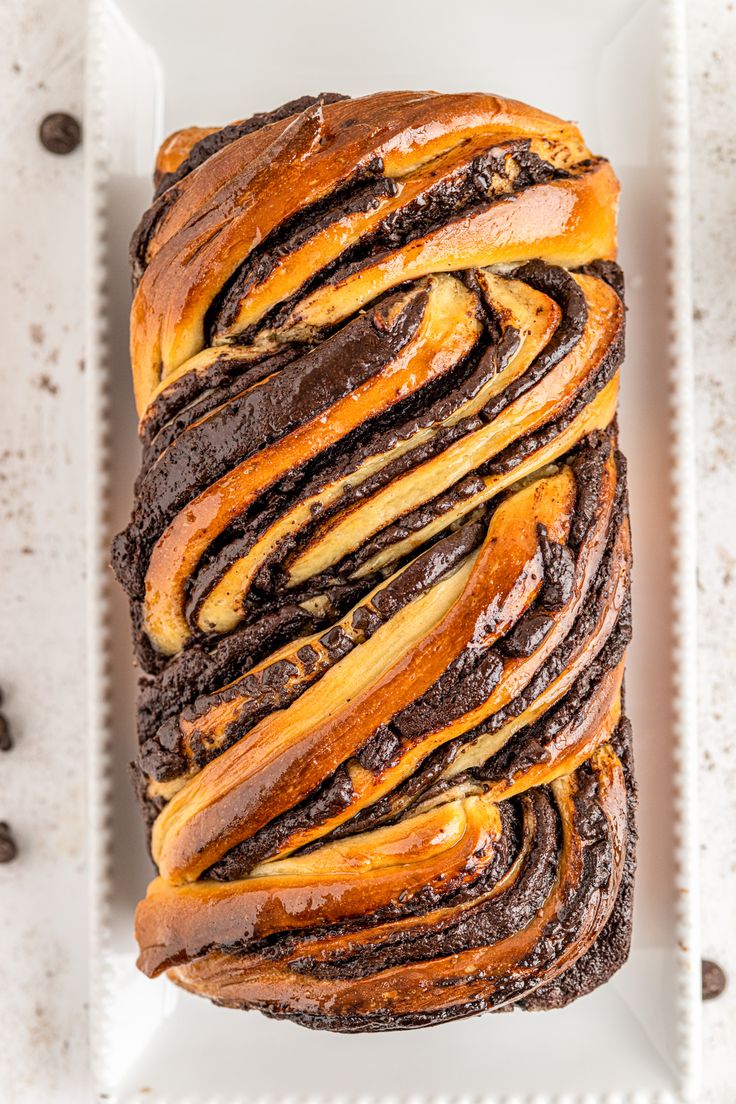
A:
(379, 562)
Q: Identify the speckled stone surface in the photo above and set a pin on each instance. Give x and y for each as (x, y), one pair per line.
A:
(43, 983)
(712, 46)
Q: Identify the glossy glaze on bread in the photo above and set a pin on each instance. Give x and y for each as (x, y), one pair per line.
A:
(379, 562)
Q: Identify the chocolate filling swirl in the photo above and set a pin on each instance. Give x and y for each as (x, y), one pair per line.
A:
(379, 563)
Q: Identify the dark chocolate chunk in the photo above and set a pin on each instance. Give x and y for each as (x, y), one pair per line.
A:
(559, 573)
(336, 642)
(308, 657)
(380, 750)
(527, 634)
(366, 620)
(8, 846)
(713, 979)
(60, 133)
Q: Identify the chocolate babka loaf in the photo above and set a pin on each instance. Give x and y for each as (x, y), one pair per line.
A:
(379, 563)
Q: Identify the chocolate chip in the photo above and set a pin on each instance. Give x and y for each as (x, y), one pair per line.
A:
(307, 656)
(8, 847)
(380, 750)
(336, 642)
(366, 620)
(6, 740)
(277, 674)
(60, 133)
(713, 979)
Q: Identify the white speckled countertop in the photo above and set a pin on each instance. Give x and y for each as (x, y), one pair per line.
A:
(43, 982)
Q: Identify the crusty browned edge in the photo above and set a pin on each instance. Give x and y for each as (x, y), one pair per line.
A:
(611, 949)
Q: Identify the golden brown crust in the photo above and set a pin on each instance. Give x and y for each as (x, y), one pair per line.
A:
(176, 148)
(379, 563)
(486, 977)
(253, 185)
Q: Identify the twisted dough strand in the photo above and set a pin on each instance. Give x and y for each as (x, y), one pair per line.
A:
(379, 562)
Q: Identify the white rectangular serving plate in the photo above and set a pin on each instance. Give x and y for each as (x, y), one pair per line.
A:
(619, 69)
